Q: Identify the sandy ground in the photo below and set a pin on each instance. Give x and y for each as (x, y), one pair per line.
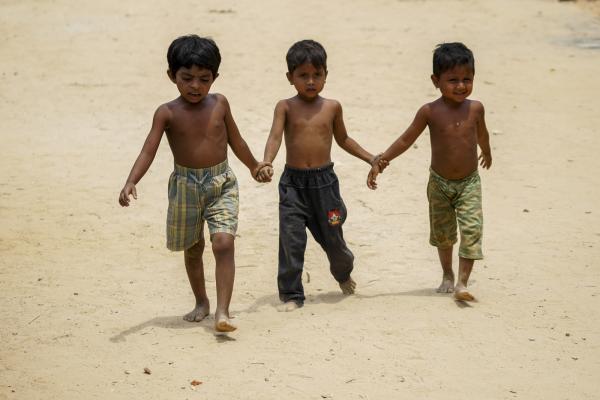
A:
(90, 295)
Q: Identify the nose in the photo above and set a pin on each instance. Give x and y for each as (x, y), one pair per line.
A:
(195, 84)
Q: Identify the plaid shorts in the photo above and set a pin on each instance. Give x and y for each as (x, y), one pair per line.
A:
(196, 195)
(451, 201)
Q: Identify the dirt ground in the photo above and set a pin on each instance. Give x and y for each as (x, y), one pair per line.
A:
(90, 295)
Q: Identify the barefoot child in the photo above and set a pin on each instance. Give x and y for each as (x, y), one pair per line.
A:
(456, 127)
(199, 126)
(309, 194)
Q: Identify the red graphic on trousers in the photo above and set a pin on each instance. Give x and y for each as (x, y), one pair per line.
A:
(334, 217)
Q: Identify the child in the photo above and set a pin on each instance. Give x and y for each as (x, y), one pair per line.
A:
(199, 125)
(456, 126)
(308, 189)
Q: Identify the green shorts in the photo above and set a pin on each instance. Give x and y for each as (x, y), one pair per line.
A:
(196, 195)
(451, 201)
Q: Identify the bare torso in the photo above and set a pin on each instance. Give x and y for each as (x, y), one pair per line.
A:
(453, 132)
(308, 132)
(197, 133)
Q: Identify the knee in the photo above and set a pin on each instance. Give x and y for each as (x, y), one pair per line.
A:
(195, 252)
(222, 244)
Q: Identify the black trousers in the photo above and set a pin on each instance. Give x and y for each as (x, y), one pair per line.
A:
(310, 198)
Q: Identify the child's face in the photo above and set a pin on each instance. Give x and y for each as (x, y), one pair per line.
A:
(455, 84)
(193, 83)
(308, 80)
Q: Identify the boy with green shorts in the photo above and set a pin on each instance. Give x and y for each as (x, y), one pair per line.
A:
(456, 127)
(199, 126)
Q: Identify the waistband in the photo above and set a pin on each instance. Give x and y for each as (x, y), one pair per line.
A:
(308, 171)
(466, 178)
(217, 169)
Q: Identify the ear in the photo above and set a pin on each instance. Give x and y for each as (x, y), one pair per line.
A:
(171, 75)
(325, 78)
(215, 76)
(289, 77)
(435, 81)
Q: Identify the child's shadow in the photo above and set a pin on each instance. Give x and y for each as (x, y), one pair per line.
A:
(428, 292)
(173, 322)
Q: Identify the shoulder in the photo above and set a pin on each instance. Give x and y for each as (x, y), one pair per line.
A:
(333, 106)
(425, 110)
(477, 106)
(477, 110)
(282, 105)
(332, 103)
(218, 99)
(165, 111)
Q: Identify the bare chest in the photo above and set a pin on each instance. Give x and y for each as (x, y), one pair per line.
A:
(197, 124)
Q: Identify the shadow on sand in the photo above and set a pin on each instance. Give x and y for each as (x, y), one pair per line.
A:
(271, 300)
(172, 322)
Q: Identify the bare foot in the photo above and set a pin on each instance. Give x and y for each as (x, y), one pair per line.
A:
(223, 324)
(447, 285)
(348, 286)
(198, 313)
(288, 306)
(461, 293)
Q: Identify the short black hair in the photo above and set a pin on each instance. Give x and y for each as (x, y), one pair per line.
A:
(306, 51)
(189, 50)
(448, 55)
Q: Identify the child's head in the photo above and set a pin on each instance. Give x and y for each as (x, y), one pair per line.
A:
(187, 51)
(306, 52)
(449, 55)
(453, 71)
(307, 68)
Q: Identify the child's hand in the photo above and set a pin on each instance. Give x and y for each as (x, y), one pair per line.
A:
(485, 160)
(382, 164)
(128, 190)
(371, 179)
(263, 172)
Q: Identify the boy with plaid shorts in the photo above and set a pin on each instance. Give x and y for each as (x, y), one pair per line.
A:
(202, 187)
(456, 127)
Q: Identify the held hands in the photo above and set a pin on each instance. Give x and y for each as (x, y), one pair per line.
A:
(377, 166)
(127, 191)
(263, 172)
(485, 160)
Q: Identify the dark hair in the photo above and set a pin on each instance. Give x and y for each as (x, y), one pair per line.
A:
(448, 55)
(306, 51)
(189, 50)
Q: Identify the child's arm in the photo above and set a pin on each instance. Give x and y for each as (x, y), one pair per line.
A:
(144, 160)
(274, 141)
(238, 144)
(401, 144)
(345, 141)
(483, 139)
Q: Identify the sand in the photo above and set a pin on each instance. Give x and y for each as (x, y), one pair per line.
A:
(91, 297)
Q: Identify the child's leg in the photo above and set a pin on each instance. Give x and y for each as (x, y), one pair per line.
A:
(292, 244)
(442, 226)
(224, 250)
(325, 224)
(470, 221)
(195, 273)
(447, 285)
(465, 266)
